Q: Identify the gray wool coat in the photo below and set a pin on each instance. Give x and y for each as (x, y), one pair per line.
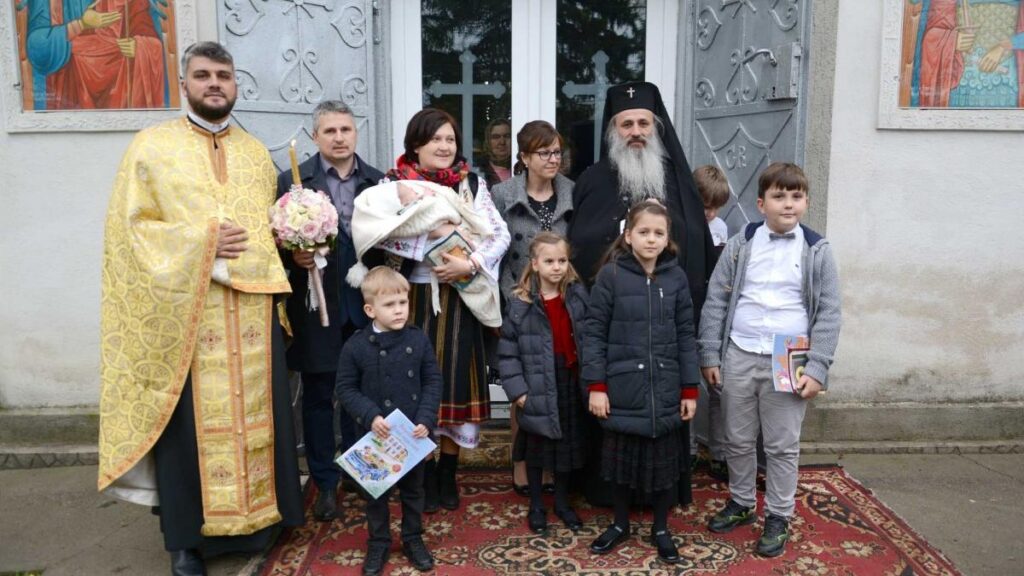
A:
(526, 359)
(523, 223)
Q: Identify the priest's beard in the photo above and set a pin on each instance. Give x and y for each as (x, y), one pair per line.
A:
(210, 113)
(641, 170)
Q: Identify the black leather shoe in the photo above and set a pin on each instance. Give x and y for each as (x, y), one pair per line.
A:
(548, 488)
(521, 489)
(326, 507)
(376, 558)
(537, 519)
(608, 540)
(187, 563)
(667, 551)
(418, 555)
(570, 519)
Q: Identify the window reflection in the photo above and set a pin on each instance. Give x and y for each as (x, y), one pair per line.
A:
(600, 44)
(467, 67)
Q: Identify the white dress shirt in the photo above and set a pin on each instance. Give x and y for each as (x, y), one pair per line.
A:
(771, 299)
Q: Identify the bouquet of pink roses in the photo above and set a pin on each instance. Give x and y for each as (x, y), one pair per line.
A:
(304, 219)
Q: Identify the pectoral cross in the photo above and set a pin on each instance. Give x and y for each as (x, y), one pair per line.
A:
(630, 92)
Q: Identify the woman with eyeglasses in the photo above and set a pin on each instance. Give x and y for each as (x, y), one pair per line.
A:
(537, 198)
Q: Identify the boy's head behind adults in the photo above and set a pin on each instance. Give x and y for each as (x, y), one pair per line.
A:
(782, 196)
(713, 187)
(386, 298)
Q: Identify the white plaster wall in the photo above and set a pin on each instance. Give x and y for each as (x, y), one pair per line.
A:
(55, 191)
(926, 227)
(53, 203)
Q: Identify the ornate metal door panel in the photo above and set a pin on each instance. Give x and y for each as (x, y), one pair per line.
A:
(747, 79)
(292, 54)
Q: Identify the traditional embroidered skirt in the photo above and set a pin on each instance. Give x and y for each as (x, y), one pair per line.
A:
(645, 464)
(458, 339)
(564, 455)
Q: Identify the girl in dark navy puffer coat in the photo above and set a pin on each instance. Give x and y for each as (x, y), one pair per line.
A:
(641, 370)
(539, 363)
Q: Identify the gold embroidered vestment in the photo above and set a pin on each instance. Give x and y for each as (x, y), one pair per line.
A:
(163, 317)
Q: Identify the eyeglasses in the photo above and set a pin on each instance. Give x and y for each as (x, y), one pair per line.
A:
(546, 155)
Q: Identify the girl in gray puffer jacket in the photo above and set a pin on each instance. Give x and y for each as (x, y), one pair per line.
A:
(641, 371)
(539, 362)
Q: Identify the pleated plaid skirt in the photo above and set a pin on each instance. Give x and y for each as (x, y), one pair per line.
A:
(645, 464)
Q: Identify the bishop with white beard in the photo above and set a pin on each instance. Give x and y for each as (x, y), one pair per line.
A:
(642, 160)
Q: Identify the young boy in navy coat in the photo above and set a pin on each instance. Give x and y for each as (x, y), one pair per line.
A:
(384, 367)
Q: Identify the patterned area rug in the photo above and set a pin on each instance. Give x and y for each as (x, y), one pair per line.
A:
(840, 528)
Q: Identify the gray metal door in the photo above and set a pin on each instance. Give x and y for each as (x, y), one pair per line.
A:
(743, 104)
(290, 55)
(743, 93)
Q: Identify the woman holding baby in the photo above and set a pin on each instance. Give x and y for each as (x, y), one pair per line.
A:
(433, 154)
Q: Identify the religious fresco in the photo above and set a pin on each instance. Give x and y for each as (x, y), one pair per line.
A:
(962, 54)
(97, 54)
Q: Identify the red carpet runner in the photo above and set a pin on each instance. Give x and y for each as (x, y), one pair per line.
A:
(839, 528)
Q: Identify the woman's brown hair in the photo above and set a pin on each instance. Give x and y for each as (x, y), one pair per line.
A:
(620, 247)
(534, 136)
(529, 283)
(422, 127)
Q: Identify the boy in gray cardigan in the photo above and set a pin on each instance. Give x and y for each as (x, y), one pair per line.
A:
(777, 277)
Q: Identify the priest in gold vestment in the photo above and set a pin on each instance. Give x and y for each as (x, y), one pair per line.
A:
(195, 415)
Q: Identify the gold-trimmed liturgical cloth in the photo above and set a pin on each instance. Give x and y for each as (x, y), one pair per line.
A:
(162, 316)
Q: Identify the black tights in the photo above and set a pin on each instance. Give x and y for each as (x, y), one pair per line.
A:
(659, 500)
(535, 477)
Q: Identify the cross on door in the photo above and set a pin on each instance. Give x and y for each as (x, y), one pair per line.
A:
(467, 90)
(599, 90)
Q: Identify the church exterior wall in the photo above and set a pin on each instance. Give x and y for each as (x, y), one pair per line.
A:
(925, 227)
(923, 224)
(56, 187)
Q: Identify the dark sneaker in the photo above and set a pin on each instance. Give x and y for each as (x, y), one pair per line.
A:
(667, 551)
(376, 558)
(608, 540)
(773, 540)
(730, 517)
(326, 507)
(537, 519)
(718, 470)
(418, 555)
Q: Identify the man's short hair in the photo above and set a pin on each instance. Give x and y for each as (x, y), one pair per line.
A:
(211, 50)
(382, 280)
(712, 185)
(329, 107)
(784, 176)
